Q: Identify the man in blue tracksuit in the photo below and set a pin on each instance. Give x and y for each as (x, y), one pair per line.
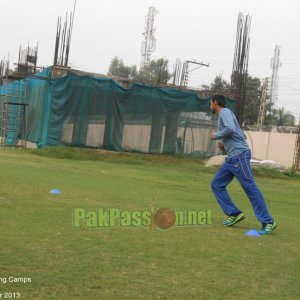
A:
(236, 165)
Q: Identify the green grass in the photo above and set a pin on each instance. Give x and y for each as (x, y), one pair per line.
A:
(196, 262)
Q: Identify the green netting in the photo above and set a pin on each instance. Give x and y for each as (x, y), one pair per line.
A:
(97, 112)
(11, 113)
(38, 99)
(37, 96)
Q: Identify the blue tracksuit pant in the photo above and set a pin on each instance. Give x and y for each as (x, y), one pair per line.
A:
(239, 167)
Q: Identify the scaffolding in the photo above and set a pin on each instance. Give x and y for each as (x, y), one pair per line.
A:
(240, 65)
(297, 150)
(27, 64)
(263, 104)
(13, 114)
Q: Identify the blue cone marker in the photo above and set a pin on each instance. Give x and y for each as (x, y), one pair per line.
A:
(252, 232)
(55, 192)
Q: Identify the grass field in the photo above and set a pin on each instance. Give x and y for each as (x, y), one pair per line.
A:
(39, 242)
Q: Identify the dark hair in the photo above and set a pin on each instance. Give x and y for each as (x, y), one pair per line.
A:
(220, 99)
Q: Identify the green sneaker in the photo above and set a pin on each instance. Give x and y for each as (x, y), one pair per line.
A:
(268, 228)
(234, 219)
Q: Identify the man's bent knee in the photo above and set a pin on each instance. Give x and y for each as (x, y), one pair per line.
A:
(214, 185)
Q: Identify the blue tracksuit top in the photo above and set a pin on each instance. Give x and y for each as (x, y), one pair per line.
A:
(229, 130)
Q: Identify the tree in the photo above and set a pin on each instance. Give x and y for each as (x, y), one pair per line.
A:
(276, 117)
(253, 100)
(280, 117)
(218, 86)
(156, 71)
(119, 69)
(253, 95)
(133, 72)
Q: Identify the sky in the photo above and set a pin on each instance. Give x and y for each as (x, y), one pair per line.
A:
(204, 31)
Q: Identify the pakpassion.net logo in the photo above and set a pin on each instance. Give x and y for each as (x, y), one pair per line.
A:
(164, 218)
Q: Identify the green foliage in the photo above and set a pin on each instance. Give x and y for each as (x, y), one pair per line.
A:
(253, 98)
(71, 153)
(274, 173)
(279, 117)
(119, 69)
(274, 116)
(292, 172)
(192, 162)
(156, 71)
(219, 85)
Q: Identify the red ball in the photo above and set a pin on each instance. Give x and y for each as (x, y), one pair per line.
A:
(165, 218)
